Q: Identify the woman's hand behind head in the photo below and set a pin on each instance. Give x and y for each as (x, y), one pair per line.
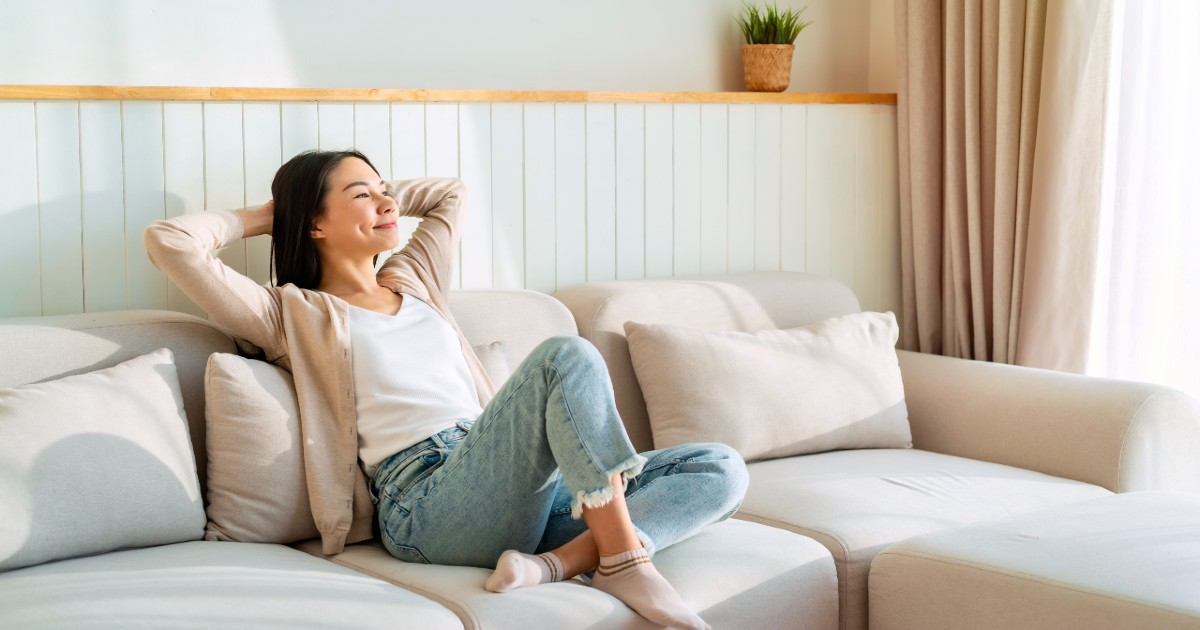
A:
(259, 220)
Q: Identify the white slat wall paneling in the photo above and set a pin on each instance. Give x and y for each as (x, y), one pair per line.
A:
(336, 120)
(837, 187)
(601, 181)
(540, 248)
(741, 187)
(104, 265)
(793, 191)
(767, 146)
(686, 188)
(475, 169)
(631, 195)
(866, 210)
(660, 223)
(830, 191)
(441, 137)
(183, 172)
(20, 276)
(224, 170)
(299, 128)
(408, 140)
(441, 150)
(570, 194)
(143, 146)
(508, 196)
(558, 192)
(714, 188)
(373, 135)
(59, 207)
(263, 150)
(408, 152)
(889, 174)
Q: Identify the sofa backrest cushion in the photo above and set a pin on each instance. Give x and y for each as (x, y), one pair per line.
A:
(737, 301)
(39, 349)
(517, 318)
(96, 462)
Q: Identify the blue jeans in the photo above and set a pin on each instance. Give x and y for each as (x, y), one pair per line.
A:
(545, 447)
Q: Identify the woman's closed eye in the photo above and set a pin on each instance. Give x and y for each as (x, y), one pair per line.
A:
(382, 192)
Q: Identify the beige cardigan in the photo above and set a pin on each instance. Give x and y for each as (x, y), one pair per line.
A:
(307, 333)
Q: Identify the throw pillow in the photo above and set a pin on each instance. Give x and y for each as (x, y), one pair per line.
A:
(256, 484)
(96, 462)
(772, 393)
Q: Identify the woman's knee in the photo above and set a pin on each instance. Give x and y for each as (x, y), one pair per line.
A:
(722, 464)
(568, 349)
(733, 467)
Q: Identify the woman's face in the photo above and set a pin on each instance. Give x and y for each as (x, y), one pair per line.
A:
(359, 219)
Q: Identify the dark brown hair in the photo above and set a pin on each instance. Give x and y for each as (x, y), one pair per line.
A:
(299, 193)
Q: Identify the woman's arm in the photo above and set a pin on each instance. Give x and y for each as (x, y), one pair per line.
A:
(257, 221)
(183, 248)
(433, 246)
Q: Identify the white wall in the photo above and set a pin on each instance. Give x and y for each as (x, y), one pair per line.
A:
(559, 193)
(654, 45)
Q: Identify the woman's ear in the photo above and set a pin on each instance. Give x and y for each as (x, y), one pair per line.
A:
(316, 232)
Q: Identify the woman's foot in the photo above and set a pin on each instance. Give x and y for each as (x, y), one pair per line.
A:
(515, 569)
(631, 578)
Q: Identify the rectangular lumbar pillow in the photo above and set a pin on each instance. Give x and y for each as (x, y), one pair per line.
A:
(256, 484)
(773, 393)
(96, 462)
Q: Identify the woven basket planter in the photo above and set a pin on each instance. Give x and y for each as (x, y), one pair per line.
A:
(767, 67)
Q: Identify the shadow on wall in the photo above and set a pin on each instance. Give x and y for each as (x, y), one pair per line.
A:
(92, 493)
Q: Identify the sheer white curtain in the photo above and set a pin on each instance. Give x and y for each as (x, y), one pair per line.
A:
(1146, 310)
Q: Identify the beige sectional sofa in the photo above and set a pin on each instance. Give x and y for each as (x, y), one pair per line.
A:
(988, 441)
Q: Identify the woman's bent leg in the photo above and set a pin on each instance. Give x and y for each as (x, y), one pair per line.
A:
(681, 490)
(554, 417)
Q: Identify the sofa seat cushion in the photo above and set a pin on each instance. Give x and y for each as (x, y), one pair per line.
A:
(1125, 561)
(858, 502)
(210, 585)
(734, 574)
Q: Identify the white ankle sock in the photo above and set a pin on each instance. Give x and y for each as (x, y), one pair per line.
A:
(631, 578)
(515, 569)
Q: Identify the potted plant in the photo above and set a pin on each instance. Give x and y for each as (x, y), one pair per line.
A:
(767, 53)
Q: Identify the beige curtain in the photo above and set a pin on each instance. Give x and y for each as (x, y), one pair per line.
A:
(969, 80)
(977, 207)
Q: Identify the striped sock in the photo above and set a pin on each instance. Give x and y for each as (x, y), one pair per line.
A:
(515, 569)
(632, 578)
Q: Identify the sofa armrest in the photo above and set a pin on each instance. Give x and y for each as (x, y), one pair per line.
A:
(1121, 435)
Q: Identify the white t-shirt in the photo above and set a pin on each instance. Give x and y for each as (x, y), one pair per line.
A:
(410, 379)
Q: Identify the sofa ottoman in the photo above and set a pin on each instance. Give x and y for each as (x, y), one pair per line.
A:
(1124, 561)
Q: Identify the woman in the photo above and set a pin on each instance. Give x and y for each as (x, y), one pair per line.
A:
(399, 418)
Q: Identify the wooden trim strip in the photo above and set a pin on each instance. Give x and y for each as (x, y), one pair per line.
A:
(136, 93)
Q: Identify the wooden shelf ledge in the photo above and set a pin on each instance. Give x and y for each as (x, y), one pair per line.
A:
(150, 93)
